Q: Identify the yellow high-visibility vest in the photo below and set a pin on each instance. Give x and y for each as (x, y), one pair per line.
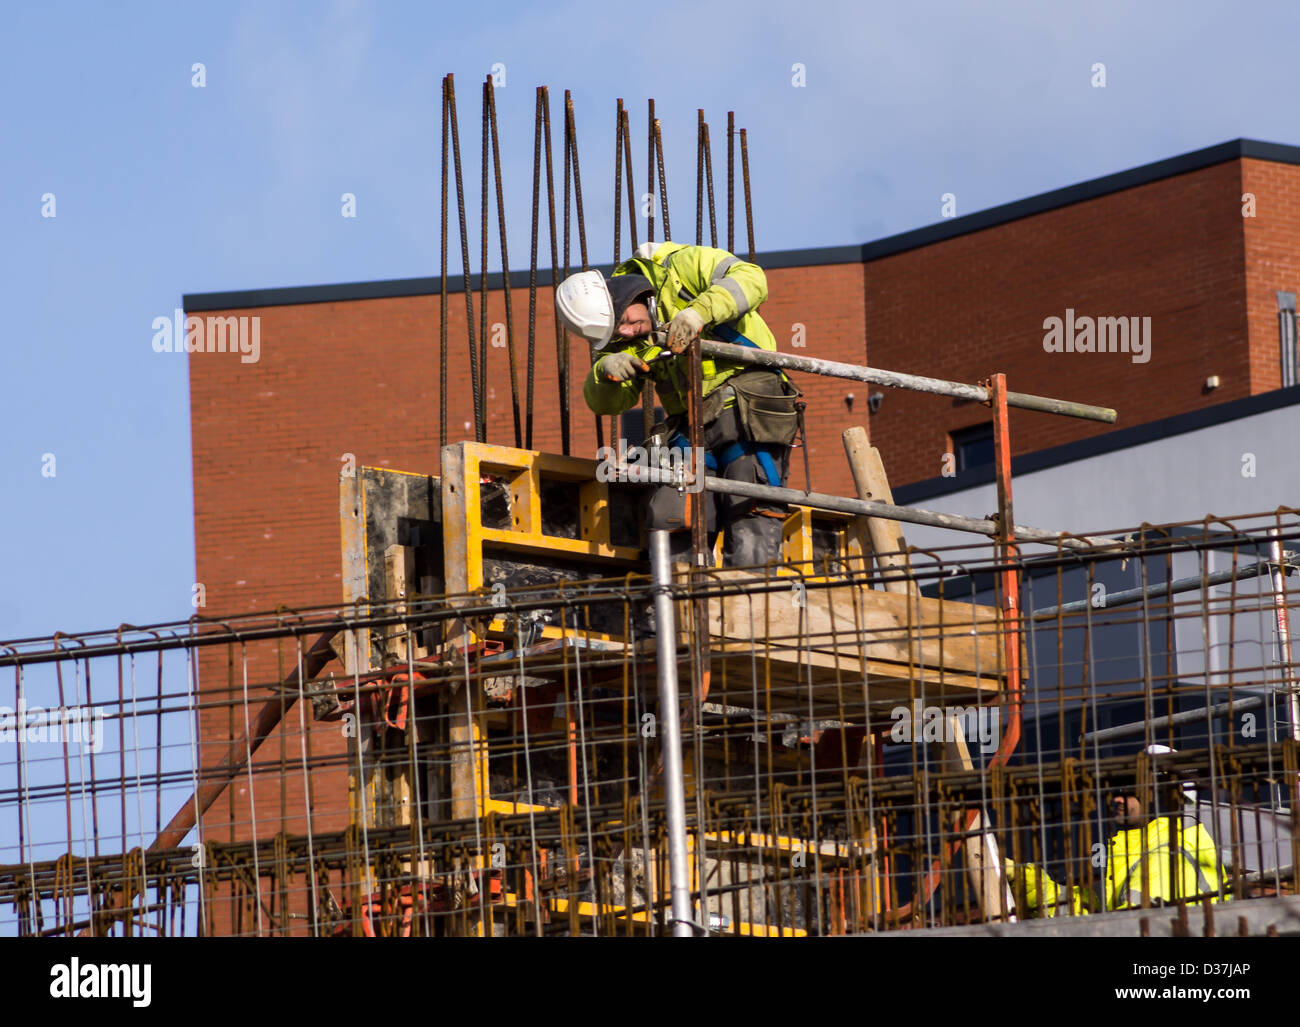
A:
(721, 287)
(1174, 858)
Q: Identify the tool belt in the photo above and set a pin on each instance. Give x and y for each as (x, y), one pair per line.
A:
(752, 413)
(764, 403)
(765, 407)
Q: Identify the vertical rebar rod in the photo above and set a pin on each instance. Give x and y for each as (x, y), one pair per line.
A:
(614, 431)
(631, 190)
(566, 249)
(505, 263)
(670, 715)
(571, 130)
(663, 181)
(571, 125)
(464, 255)
(650, 173)
(618, 239)
(618, 180)
(696, 500)
(647, 389)
(483, 274)
(744, 177)
(442, 288)
(699, 177)
(708, 185)
(731, 181)
(565, 246)
(532, 271)
(562, 369)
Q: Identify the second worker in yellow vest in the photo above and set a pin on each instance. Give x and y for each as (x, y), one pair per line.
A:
(1151, 860)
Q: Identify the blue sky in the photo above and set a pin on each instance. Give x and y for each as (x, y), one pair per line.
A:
(162, 188)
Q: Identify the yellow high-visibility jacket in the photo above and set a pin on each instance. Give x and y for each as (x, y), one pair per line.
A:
(1192, 874)
(724, 290)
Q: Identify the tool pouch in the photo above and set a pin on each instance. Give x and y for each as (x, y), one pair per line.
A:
(765, 407)
(714, 403)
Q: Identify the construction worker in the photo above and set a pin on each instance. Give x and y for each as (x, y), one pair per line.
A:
(1165, 857)
(641, 319)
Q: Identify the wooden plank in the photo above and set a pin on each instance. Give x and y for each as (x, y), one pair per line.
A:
(869, 478)
(352, 523)
(463, 568)
(983, 860)
(850, 620)
(789, 691)
(882, 678)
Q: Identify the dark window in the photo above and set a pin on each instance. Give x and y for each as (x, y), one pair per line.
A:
(973, 446)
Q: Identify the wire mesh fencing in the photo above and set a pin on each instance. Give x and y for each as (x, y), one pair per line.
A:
(858, 756)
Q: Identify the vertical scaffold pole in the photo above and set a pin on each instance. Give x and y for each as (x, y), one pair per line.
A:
(1007, 554)
(670, 715)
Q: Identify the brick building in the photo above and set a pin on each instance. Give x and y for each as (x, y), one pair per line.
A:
(1202, 244)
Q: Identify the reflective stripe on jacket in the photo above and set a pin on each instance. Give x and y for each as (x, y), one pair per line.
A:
(1192, 873)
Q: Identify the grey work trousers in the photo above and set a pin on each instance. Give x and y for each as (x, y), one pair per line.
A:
(751, 529)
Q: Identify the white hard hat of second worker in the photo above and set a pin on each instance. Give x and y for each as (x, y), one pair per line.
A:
(591, 305)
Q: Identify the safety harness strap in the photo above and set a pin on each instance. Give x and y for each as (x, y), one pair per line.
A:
(731, 454)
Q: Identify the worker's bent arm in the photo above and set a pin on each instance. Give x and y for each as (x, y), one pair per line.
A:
(606, 397)
(725, 287)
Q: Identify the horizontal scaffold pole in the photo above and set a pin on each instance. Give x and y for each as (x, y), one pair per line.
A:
(867, 508)
(1136, 595)
(917, 383)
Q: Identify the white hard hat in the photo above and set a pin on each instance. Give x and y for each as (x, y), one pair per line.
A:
(584, 305)
(646, 250)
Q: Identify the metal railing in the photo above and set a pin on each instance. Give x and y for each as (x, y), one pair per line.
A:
(229, 777)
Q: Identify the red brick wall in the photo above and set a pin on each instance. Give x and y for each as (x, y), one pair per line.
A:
(1272, 260)
(974, 305)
